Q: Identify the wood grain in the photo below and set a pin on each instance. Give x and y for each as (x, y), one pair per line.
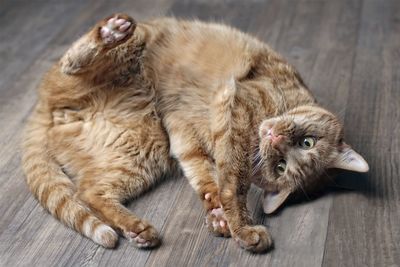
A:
(348, 53)
(364, 226)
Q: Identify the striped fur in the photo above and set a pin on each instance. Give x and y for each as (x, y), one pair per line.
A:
(219, 94)
(95, 140)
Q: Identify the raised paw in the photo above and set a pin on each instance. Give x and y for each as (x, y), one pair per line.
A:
(217, 223)
(144, 236)
(254, 238)
(116, 29)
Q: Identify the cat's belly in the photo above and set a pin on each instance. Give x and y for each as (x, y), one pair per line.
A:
(99, 142)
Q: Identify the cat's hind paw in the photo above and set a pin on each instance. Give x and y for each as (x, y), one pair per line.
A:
(116, 29)
(217, 223)
(147, 238)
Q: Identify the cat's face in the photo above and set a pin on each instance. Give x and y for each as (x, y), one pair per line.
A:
(297, 148)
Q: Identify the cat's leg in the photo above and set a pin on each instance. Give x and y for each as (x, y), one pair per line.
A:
(233, 168)
(105, 196)
(199, 169)
(91, 47)
(231, 139)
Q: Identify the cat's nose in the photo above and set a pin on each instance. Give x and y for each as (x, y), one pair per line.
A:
(276, 140)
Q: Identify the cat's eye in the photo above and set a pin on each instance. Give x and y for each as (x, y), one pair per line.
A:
(281, 167)
(307, 142)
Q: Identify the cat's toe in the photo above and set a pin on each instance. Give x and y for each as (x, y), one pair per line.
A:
(211, 200)
(116, 28)
(124, 26)
(217, 224)
(148, 238)
(254, 238)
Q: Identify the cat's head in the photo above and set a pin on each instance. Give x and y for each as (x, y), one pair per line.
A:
(297, 148)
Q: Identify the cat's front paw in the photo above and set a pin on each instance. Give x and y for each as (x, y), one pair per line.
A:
(254, 238)
(116, 29)
(216, 223)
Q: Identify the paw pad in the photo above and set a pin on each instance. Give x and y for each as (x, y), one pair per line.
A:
(115, 30)
(216, 223)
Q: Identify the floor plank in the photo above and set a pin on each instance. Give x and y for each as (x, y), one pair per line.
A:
(364, 225)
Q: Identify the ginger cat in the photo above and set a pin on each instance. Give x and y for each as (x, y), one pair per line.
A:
(233, 110)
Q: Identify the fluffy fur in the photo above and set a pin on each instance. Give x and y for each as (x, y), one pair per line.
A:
(234, 111)
(100, 128)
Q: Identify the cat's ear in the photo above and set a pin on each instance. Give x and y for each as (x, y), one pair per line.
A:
(350, 160)
(273, 200)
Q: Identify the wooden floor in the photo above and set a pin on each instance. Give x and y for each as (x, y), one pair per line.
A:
(349, 54)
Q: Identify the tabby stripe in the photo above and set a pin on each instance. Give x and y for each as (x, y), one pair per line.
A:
(81, 217)
(58, 211)
(219, 134)
(193, 154)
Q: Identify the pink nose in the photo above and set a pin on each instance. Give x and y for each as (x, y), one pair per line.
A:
(276, 139)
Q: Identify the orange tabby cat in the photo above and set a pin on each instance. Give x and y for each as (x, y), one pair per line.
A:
(233, 109)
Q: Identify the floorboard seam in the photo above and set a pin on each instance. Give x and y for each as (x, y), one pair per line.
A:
(344, 117)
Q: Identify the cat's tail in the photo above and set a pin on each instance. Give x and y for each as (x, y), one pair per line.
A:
(52, 187)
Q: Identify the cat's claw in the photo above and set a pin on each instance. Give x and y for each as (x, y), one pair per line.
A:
(116, 29)
(217, 224)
